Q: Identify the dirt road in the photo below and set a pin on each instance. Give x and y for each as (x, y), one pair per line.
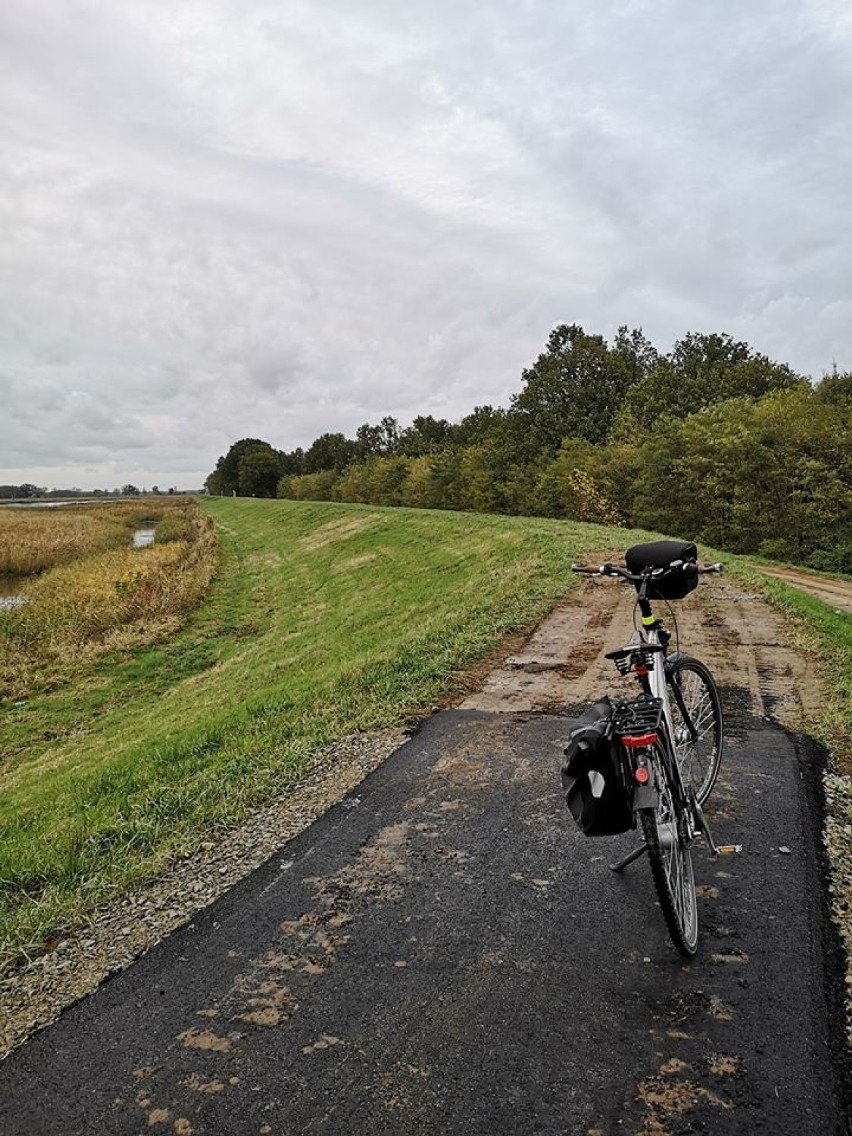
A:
(837, 593)
(442, 952)
(736, 632)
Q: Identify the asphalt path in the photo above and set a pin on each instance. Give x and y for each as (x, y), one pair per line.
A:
(443, 952)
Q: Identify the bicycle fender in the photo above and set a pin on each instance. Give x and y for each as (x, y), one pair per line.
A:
(672, 660)
(645, 797)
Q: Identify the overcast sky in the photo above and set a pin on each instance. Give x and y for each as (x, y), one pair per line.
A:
(275, 218)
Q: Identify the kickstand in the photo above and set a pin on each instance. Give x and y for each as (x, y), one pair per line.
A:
(634, 855)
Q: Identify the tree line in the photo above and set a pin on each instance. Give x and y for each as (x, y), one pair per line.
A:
(28, 492)
(711, 441)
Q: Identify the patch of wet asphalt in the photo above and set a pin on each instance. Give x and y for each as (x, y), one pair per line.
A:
(443, 952)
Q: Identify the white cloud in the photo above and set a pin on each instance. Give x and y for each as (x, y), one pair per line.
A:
(222, 219)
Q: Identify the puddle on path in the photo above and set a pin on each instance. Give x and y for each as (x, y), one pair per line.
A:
(143, 538)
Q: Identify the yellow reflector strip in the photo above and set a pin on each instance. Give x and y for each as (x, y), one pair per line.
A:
(649, 619)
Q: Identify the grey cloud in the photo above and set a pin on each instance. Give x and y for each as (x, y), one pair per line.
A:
(267, 220)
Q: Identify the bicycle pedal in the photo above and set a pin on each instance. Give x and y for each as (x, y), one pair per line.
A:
(728, 849)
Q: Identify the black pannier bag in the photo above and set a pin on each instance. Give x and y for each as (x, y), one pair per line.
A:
(660, 554)
(595, 780)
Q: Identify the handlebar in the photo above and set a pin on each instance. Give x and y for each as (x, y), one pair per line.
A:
(689, 566)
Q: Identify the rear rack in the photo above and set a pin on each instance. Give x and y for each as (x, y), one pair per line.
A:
(640, 716)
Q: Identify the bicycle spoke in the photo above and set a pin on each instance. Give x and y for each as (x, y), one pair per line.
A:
(671, 863)
(697, 735)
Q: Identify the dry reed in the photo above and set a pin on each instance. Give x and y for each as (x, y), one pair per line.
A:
(103, 596)
(34, 539)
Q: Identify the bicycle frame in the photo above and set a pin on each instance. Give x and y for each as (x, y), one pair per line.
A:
(657, 685)
(651, 640)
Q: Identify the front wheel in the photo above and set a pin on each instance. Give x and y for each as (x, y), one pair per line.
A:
(697, 720)
(668, 841)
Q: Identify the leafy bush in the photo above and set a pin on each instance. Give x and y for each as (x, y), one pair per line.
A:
(832, 559)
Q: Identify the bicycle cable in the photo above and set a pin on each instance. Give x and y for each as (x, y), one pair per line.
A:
(674, 621)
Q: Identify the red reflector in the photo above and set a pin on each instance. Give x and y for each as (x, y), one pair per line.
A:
(637, 740)
(642, 775)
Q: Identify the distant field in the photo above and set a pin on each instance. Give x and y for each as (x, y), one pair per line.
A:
(323, 619)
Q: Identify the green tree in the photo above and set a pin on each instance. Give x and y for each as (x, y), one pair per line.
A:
(482, 478)
(701, 371)
(294, 462)
(573, 484)
(372, 441)
(482, 423)
(386, 476)
(574, 389)
(318, 486)
(376, 481)
(419, 489)
(446, 478)
(23, 491)
(368, 441)
(225, 478)
(424, 436)
(836, 389)
(260, 470)
(635, 355)
(330, 451)
(772, 475)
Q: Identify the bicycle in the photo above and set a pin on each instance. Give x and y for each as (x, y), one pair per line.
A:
(661, 751)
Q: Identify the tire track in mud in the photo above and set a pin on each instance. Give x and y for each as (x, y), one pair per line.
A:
(563, 662)
(736, 632)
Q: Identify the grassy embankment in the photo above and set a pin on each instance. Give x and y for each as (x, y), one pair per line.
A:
(324, 619)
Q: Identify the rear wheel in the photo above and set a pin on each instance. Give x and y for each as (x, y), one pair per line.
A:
(697, 720)
(668, 840)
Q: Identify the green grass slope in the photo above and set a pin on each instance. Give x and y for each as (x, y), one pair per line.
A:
(324, 619)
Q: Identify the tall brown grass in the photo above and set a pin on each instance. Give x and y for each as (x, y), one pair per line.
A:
(32, 540)
(101, 597)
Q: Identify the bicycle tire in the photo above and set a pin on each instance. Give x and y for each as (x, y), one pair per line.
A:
(698, 759)
(671, 863)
